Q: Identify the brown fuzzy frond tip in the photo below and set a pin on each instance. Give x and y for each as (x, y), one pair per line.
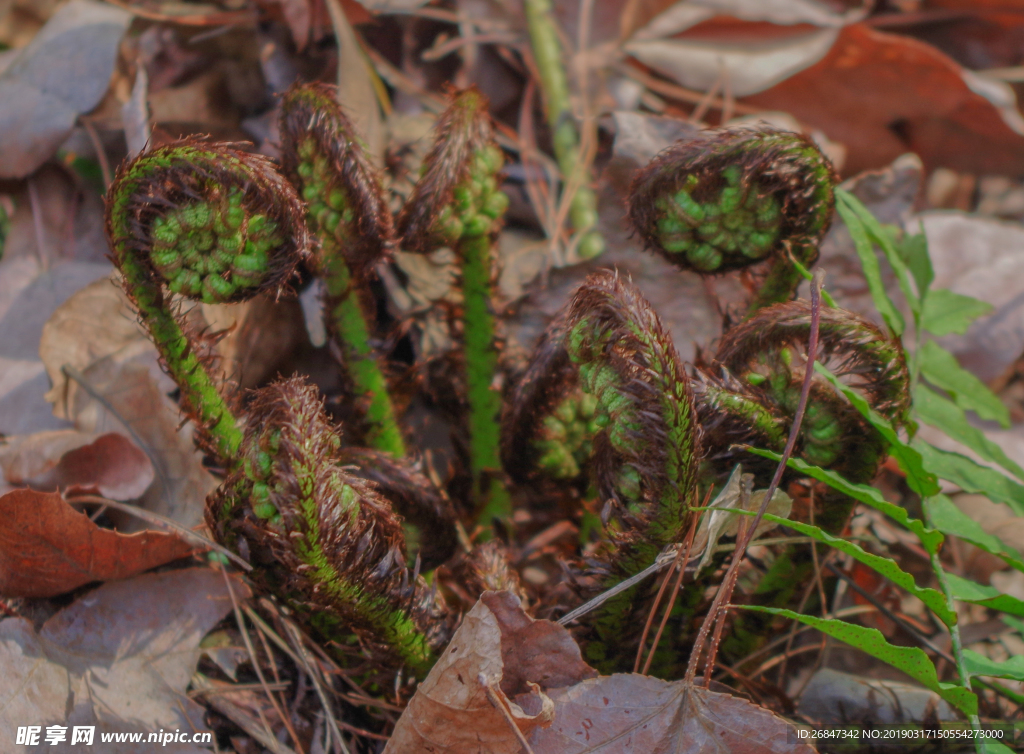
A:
(323, 156)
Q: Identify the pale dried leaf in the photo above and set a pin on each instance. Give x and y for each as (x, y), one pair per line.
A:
(62, 73)
(637, 713)
(833, 698)
(696, 64)
(142, 411)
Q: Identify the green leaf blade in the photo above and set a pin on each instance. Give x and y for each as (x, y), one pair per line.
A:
(941, 413)
(947, 518)
(941, 368)
(931, 539)
(979, 594)
(910, 660)
(971, 476)
(869, 263)
(946, 312)
(920, 479)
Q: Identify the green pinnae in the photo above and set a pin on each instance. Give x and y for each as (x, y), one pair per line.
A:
(755, 379)
(265, 510)
(336, 200)
(495, 205)
(692, 211)
(704, 257)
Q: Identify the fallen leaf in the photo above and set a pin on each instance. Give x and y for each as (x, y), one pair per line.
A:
(28, 294)
(748, 68)
(61, 74)
(126, 399)
(108, 464)
(883, 94)
(119, 658)
(96, 332)
(498, 653)
(260, 334)
(638, 713)
(48, 548)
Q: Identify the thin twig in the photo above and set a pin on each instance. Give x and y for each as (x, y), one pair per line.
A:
(724, 595)
(101, 152)
(495, 701)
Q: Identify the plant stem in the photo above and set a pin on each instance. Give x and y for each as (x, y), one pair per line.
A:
(348, 322)
(481, 365)
(547, 51)
(203, 401)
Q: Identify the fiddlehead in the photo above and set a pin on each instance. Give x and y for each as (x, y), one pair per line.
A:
(749, 390)
(457, 203)
(347, 211)
(207, 221)
(325, 541)
(729, 198)
(609, 348)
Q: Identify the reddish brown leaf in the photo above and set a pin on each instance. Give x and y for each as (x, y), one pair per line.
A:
(882, 95)
(112, 465)
(48, 548)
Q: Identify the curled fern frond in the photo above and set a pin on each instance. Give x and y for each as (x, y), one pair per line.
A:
(413, 496)
(648, 449)
(728, 198)
(208, 221)
(322, 539)
(456, 203)
(749, 390)
(347, 211)
(322, 155)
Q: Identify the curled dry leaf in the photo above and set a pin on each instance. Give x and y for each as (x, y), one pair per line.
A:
(48, 548)
(499, 657)
(637, 713)
(109, 464)
(120, 658)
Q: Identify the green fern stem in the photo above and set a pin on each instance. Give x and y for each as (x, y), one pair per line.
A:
(349, 323)
(547, 52)
(457, 203)
(481, 365)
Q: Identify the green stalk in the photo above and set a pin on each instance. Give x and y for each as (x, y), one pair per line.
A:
(481, 366)
(547, 52)
(347, 210)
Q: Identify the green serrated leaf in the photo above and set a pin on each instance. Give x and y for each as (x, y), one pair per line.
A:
(911, 660)
(872, 270)
(979, 664)
(946, 517)
(946, 312)
(943, 414)
(971, 476)
(914, 251)
(931, 539)
(919, 479)
(934, 599)
(941, 368)
(978, 594)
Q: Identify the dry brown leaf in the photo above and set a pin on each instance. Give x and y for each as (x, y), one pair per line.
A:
(260, 335)
(627, 713)
(48, 548)
(499, 653)
(109, 464)
(134, 404)
(882, 95)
